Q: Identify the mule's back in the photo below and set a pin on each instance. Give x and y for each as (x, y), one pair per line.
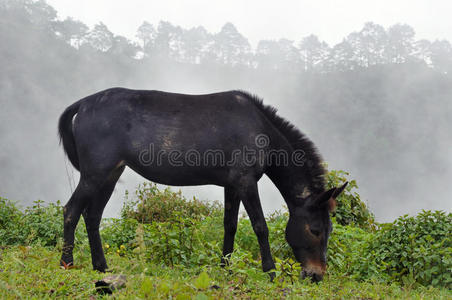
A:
(176, 120)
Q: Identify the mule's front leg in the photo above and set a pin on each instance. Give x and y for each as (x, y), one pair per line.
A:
(231, 213)
(253, 207)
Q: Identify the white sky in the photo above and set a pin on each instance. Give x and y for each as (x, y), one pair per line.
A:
(257, 19)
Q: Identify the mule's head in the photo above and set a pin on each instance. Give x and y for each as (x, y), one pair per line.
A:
(308, 230)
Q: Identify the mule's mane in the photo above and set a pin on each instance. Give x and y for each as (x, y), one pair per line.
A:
(313, 164)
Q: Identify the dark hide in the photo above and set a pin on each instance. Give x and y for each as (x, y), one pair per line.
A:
(118, 127)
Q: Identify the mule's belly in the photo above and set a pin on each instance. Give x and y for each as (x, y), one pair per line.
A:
(182, 176)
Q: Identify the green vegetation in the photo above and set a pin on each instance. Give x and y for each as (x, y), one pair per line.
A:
(153, 205)
(416, 249)
(169, 246)
(350, 209)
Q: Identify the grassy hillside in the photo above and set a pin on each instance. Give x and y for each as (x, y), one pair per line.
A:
(34, 272)
(169, 247)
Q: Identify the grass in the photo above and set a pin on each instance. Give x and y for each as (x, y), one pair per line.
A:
(33, 272)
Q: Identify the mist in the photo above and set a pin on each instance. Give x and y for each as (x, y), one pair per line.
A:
(377, 104)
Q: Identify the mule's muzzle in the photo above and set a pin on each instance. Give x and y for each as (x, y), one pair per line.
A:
(315, 270)
(314, 276)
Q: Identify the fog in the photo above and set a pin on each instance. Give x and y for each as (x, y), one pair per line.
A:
(377, 103)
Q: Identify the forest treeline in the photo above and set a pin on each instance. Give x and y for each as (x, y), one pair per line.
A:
(377, 103)
(372, 45)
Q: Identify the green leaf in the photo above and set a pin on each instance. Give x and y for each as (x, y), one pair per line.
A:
(146, 286)
(203, 281)
(201, 296)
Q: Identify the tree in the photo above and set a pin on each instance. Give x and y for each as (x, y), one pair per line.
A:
(313, 52)
(100, 37)
(71, 31)
(441, 56)
(168, 41)
(422, 51)
(400, 43)
(341, 57)
(368, 45)
(121, 46)
(230, 47)
(41, 14)
(195, 43)
(147, 34)
(267, 55)
(290, 55)
(277, 55)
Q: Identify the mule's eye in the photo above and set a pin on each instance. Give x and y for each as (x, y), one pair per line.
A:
(315, 232)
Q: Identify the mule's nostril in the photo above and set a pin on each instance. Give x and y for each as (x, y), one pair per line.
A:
(316, 277)
(313, 276)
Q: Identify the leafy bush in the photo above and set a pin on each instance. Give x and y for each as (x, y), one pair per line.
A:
(351, 210)
(152, 204)
(43, 224)
(117, 232)
(176, 231)
(180, 243)
(37, 224)
(346, 249)
(416, 249)
(11, 233)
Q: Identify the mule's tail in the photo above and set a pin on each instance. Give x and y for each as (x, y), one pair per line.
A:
(67, 135)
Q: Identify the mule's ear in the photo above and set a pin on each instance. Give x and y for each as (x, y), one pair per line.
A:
(323, 197)
(339, 190)
(332, 201)
(332, 204)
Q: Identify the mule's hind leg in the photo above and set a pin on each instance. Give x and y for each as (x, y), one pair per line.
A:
(93, 215)
(89, 189)
(85, 191)
(71, 212)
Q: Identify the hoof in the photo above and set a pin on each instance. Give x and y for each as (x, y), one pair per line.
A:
(101, 268)
(225, 261)
(66, 265)
(272, 275)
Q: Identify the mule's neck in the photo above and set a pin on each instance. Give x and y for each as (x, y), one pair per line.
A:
(294, 182)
